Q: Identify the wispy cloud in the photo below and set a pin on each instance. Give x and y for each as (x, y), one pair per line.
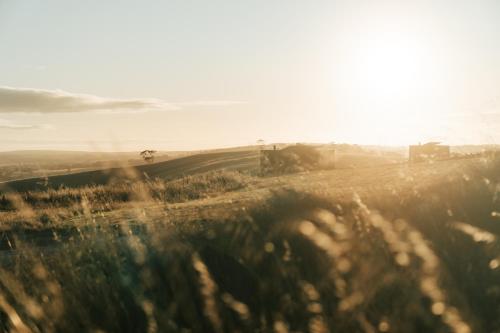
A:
(6, 124)
(29, 100)
(209, 103)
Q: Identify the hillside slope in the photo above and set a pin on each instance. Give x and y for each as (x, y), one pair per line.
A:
(238, 160)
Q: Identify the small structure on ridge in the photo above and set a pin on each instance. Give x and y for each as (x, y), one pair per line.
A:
(431, 151)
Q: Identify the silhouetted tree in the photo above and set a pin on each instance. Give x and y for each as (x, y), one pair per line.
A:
(148, 155)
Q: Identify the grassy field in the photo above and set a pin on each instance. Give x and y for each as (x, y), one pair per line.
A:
(178, 164)
(198, 163)
(390, 248)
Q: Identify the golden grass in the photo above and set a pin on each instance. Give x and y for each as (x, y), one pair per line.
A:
(397, 248)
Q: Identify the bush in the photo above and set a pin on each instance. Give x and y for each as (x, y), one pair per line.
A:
(291, 159)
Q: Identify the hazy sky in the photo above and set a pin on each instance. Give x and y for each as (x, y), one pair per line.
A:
(127, 75)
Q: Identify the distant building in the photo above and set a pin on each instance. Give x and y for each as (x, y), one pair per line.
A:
(430, 151)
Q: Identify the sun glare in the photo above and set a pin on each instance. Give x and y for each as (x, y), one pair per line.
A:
(388, 69)
(385, 78)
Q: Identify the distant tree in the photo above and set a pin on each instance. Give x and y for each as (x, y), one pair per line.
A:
(148, 155)
(261, 143)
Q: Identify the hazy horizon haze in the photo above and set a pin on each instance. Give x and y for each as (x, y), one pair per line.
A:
(187, 75)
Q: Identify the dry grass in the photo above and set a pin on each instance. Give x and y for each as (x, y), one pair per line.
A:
(416, 250)
(51, 207)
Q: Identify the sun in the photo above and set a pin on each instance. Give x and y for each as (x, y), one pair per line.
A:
(387, 69)
(383, 81)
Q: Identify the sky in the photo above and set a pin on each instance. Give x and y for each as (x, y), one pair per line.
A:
(182, 75)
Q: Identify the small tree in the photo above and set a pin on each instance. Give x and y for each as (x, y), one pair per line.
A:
(148, 155)
(261, 143)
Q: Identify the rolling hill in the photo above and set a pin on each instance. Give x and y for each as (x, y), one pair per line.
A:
(190, 165)
(177, 165)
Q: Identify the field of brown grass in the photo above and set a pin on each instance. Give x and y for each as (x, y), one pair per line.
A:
(396, 247)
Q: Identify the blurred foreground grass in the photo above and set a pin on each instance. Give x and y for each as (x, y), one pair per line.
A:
(394, 249)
